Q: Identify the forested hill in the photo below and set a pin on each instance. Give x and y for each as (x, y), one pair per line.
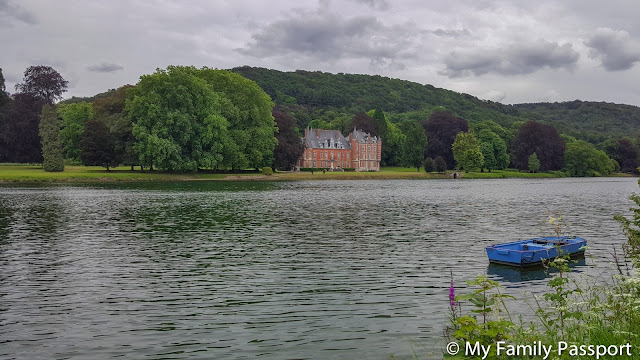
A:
(585, 116)
(403, 100)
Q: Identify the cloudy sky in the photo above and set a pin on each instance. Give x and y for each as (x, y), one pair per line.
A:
(508, 51)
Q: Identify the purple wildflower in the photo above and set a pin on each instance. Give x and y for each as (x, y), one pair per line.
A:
(452, 295)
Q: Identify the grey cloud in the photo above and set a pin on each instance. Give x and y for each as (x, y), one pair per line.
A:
(515, 59)
(614, 49)
(10, 10)
(105, 68)
(450, 33)
(330, 37)
(375, 4)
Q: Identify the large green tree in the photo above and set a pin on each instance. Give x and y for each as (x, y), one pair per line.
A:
(415, 145)
(74, 116)
(248, 110)
(178, 122)
(583, 159)
(498, 147)
(467, 152)
(49, 130)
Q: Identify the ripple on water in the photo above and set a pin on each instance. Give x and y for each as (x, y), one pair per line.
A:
(330, 269)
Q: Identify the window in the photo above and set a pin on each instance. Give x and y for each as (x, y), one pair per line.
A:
(339, 156)
(326, 155)
(314, 164)
(362, 148)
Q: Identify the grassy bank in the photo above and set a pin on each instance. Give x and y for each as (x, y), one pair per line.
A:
(27, 173)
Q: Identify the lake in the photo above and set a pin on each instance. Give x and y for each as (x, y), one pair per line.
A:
(287, 270)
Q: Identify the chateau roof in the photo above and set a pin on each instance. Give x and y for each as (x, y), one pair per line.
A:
(325, 139)
(363, 137)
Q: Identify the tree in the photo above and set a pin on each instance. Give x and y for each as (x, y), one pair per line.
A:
(381, 123)
(5, 101)
(74, 116)
(541, 139)
(392, 146)
(247, 109)
(289, 148)
(490, 162)
(534, 163)
(177, 120)
(44, 82)
(110, 110)
(414, 146)
(466, 152)
(441, 129)
(627, 156)
(20, 129)
(429, 165)
(49, 131)
(498, 146)
(98, 145)
(4, 97)
(582, 159)
(440, 164)
(364, 122)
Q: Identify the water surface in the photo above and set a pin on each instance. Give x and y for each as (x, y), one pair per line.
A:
(297, 270)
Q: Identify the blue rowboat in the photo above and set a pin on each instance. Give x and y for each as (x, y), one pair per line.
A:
(535, 251)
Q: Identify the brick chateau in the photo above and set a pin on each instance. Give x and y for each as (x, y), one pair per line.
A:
(330, 149)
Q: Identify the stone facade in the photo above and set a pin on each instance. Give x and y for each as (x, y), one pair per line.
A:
(331, 150)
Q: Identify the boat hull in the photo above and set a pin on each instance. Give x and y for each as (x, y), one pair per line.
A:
(534, 252)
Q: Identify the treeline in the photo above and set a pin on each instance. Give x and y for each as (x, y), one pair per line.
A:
(180, 119)
(187, 119)
(443, 141)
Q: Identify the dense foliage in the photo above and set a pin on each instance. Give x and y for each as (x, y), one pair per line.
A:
(163, 122)
(583, 159)
(49, 131)
(177, 120)
(98, 145)
(541, 139)
(414, 146)
(289, 147)
(442, 128)
(467, 151)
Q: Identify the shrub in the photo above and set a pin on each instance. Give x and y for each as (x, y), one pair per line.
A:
(440, 165)
(429, 165)
(267, 170)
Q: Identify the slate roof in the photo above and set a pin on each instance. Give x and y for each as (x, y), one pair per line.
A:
(326, 139)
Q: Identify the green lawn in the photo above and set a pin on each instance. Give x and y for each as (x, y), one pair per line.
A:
(21, 172)
(94, 173)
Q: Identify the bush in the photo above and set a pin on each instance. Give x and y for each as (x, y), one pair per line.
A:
(429, 165)
(267, 170)
(440, 165)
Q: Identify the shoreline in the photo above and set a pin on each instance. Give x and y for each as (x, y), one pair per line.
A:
(11, 174)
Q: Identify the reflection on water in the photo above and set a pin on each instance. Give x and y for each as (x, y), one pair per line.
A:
(232, 270)
(521, 276)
